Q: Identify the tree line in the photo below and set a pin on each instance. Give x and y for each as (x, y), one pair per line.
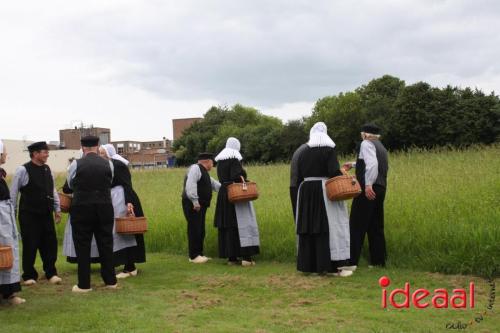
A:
(416, 115)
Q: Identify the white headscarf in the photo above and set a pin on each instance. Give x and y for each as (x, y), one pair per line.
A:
(1, 147)
(318, 136)
(232, 150)
(111, 153)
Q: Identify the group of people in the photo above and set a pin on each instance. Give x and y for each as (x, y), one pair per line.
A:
(328, 240)
(236, 223)
(101, 188)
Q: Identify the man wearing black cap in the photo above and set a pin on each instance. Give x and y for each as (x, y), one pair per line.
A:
(38, 206)
(91, 211)
(196, 197)
(367, 210)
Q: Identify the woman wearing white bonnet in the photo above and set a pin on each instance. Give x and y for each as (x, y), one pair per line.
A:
(9, 278)
(127, 249)
(322, 225)
(129, 256)
(236, 224)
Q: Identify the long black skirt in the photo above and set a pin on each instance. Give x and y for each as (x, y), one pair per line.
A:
(135, 254)
(227, 227)
(313, 231)
(6, 290)
(229, 244)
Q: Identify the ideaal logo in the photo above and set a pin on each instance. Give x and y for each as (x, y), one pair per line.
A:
(439, 299)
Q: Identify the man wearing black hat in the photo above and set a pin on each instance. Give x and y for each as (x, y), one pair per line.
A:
(91, 211)
(196, 197)
(38, 206)
(367, 210)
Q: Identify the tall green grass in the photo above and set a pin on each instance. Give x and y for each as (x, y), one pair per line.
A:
(441, 214)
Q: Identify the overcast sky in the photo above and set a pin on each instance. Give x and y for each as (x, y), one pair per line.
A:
(135, 65)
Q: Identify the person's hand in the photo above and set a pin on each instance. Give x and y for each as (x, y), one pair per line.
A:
(347, 166)
(369, 192)
(130, 209)
(196, 207)
(57, 217)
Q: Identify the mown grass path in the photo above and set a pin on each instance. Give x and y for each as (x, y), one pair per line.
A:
(172, 295)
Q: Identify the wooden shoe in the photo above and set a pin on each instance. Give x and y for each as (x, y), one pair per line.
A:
(343, 273)
(16, 300)
(348, 268)
(29, 282)
(198, 260)
(79, 290)
(123, 275)
(246, 263)
(55, 280)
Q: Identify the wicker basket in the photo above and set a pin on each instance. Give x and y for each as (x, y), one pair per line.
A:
(131, 225)
(6, 257)
(242, 192)
(343, 187)
(65, 201)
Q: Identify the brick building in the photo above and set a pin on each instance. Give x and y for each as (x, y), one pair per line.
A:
(179, 125)
(145, 153)
(70, 138)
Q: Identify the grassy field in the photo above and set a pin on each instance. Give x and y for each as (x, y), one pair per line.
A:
(442, 215)
(442, 211)
(172, 295)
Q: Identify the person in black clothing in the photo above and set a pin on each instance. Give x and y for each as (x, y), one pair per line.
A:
(90, 178)
(9, 278)
(128, 256)
(294, 183)
(232, 243)
(367, 210)
(38, 208)
(322, 225)
(196, 198)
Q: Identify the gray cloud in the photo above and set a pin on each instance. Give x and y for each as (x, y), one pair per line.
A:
(271, 54)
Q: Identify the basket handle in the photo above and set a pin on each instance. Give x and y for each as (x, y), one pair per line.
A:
(345, 173)
(245, 187)
(131, 214)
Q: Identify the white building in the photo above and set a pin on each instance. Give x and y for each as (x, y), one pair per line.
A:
(17, 154)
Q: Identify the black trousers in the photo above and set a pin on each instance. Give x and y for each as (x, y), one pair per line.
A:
(87, 221)
(195, 227)
(38, 233)
(367, 217)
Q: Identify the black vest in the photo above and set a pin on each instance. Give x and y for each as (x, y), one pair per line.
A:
(204, 187)
(92, 182)
(383, 166)
(38, 195)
